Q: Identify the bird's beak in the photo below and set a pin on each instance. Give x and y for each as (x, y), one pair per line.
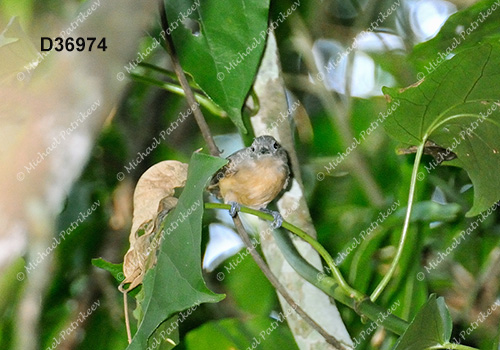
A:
(265, 150)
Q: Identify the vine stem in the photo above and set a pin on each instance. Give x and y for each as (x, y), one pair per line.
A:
(280, 288)
(453, 346)
(178, 90)
(330, 285)
(404, 234)
(337, 275)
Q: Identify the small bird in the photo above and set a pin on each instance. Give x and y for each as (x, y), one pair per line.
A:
(253, 177)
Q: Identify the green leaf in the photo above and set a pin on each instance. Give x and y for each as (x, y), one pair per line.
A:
(165, 334)
(414, 293)
(224, 56)
(427, 211)
(431, 327)
(245, 280)
(176, 282)
(461, 31)
(259, 332)
(457, 107)
(115, 269)
(362, 268)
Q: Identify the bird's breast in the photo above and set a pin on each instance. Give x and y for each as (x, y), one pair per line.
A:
(255, 183)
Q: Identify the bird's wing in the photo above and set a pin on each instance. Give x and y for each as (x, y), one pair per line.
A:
(227, 170)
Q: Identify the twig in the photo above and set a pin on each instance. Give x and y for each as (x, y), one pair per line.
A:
(279, 287)
(200, 120)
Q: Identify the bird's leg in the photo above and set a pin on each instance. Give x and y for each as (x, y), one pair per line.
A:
(235, 208)
(277, 218)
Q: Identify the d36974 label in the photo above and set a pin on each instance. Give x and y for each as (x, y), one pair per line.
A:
(70, 44)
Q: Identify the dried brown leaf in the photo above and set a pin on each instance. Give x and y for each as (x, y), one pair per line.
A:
(156, 183)
(153, 199)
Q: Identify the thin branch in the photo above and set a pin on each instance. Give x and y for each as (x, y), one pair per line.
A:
(280, 288)
(200, 120)
(358, 302)
(337, 275)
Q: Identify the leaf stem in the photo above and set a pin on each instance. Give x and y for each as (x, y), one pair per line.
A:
(378, 290)
(300, 233)
(127, 321)
(164, 71)
(437, 123)
(176, 89)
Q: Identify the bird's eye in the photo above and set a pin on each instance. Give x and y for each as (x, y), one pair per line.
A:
(275, 145)
(252, 148)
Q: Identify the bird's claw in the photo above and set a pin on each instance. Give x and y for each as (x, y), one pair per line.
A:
(277, 218)
(235, 208)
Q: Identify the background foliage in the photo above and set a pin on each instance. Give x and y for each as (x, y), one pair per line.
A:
(342, 206)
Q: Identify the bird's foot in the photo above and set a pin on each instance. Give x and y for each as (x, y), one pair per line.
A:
(277, 218)
(235, 208)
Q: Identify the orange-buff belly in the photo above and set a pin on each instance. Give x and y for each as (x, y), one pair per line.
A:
(256, 182)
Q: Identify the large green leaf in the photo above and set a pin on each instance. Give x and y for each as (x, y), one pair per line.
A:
(176, 282)
(461, 31)
(457, 107)
(223, 57)
(244, 280)
(258, 332)
(431, 327)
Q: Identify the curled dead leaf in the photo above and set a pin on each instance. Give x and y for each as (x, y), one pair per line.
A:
(153, 199)
(156, 183)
